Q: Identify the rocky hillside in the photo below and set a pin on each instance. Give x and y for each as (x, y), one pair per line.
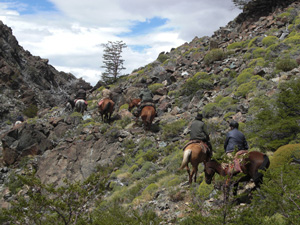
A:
(247, 71)
(29, 83)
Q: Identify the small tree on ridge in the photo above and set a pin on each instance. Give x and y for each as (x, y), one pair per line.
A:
(113, 63)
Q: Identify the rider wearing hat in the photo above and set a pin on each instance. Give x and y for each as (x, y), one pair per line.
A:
(198, 131)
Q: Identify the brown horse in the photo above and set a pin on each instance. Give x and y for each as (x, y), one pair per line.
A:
(134, 103)
(251, 163)
(148, 113)
(194, 153)
(106, 109)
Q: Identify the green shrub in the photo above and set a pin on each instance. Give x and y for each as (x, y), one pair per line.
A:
(240, 44)
(244, 76)
(257, 62)
(225, 102)
(162, 57)
(124, 106)
(204, 190)
(213, 55)
(292, 40)
(154, 87)
(269, 40)
(199, 81)
(252, 42)
(285, 154)
(286, 64)
(150, 189)
(245, 88)
(173, 129)
(31, 111)
(210, 110)
(258, 52)
(205, 84)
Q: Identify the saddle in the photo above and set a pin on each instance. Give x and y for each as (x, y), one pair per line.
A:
(235, 166)
(147, 104)
(202, 144)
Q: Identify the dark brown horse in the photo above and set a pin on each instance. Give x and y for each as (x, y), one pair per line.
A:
(251, 163)
(106, 109)
(148, 113)
(194, 153)
(134, 103)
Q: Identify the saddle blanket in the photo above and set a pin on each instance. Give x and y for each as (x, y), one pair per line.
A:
(81, 99)
(235, 166)
(101, 101)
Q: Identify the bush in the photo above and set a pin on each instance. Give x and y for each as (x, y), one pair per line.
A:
(162, 57)
(124, 106)
(286, 64)
(292, 40)
(245, 88)
(244, 76)
(31, 111)
(210, 110)
(154, 87)
(285, 154)
(270, 40)
(213, 55)
(199, 81)
(174, 129)
(235, 45)
(258, 52)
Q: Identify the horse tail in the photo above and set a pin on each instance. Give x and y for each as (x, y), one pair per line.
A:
(107, 107)
(186, 158)
(265, 165)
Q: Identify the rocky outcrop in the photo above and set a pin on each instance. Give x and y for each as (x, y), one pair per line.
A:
(28, 80)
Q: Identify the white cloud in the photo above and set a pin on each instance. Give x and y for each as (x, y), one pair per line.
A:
(70, 37)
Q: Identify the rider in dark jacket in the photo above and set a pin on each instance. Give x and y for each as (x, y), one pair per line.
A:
(81, 94)
(235, 138)
(198, 131)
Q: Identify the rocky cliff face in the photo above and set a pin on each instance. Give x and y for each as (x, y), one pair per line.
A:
(184, 81)
(28, 80)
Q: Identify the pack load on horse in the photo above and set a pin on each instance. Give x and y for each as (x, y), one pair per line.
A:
(80, 101)
(106, 93)
(106, 105)
(250, 163)
(198, 149)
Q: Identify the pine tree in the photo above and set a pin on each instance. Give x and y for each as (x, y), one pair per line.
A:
(113, 63)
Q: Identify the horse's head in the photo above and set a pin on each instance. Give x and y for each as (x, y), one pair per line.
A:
(209, 172)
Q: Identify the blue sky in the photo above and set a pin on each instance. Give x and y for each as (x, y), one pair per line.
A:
(70, 32)
(30, 6)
